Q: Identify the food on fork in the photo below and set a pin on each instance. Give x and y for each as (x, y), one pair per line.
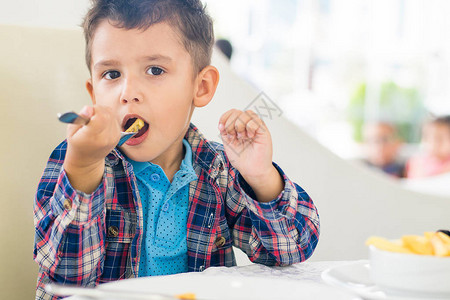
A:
(432, 243)
(136, 126)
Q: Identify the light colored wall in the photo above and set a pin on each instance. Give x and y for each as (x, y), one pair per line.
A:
(65, 14)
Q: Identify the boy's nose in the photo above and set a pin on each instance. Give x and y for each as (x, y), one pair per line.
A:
(130, 99)
(131, 92)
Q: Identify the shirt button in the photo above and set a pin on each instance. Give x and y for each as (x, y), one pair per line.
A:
(113, 231)
(154, 177)
(67, 204)
(165, 207)
(220, 241)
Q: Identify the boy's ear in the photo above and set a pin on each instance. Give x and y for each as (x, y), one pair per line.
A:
(205, 86)
(90, 89)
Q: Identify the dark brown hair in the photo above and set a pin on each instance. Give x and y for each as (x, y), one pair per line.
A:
(443, 120)
(189, 17)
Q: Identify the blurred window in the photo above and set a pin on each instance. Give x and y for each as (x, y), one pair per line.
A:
(331, 65)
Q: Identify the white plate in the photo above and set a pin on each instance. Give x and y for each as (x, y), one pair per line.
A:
(215, 287)
(355, 277)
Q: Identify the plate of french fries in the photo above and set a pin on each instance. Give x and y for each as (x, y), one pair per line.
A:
(417, 266)
(431, 243)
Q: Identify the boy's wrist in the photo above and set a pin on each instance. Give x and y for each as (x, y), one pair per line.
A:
(84, 177)
(267, 186)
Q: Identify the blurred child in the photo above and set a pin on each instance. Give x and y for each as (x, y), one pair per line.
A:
(435, 158)
(382, 144)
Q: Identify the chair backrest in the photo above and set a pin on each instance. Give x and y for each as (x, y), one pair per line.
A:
(42, 72)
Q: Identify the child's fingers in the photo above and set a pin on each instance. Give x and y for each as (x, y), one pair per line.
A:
(236, 123)
(252, 128)
(256, 118)
(87, 111)
(102, 129)
(72, 129)
(229, 122)
(105, 124)
(224, 118)
(254, 125)
(240, 125)
(102, 117)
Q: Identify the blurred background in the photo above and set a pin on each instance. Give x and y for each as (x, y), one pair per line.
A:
(331, 66)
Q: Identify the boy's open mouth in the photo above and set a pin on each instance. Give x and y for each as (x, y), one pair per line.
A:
(130, 122)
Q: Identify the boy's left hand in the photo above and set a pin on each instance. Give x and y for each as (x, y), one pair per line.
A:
(248, 145)
(247, 142)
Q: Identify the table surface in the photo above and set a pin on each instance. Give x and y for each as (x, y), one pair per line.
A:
(307, 272)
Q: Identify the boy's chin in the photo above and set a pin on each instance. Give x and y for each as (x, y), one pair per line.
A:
(133, 153)
(136, 157)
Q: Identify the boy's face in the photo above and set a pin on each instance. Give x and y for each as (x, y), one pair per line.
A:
(436, 140)
(147, 75)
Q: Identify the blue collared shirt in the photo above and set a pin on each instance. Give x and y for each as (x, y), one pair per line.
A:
(165, 212)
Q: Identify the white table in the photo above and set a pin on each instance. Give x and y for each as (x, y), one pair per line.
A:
(302, 281)
(307, 271)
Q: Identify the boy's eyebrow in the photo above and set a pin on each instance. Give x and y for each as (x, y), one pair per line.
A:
(158, 57)
(151, 58)
(106, 63)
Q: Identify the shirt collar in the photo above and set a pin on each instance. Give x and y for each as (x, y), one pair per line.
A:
(187, 160)
(186, 163)
(206, 155)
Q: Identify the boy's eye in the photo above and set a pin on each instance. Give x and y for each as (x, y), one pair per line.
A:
(111, 74)
(155, 71)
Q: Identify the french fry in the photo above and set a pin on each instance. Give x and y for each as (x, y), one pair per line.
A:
(136, 126)
(441, 244)
(429, 234)
(387, 245)
(432, 243)
(445, 238)
(186, 296)
(418, 244)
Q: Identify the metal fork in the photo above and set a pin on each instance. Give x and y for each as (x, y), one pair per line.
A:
(74, 118)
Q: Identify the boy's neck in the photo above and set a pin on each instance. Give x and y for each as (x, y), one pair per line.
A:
(170, 161)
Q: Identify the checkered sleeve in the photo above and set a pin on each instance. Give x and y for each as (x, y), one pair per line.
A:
(69, 229)
(281, 232)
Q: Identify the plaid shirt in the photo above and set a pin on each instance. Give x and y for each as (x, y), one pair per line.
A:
(90, 239)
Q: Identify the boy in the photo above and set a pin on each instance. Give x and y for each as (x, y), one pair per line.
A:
(168, 201)
(435, 159)
(382, 146)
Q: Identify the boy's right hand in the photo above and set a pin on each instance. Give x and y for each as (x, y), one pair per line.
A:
(88, 145)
